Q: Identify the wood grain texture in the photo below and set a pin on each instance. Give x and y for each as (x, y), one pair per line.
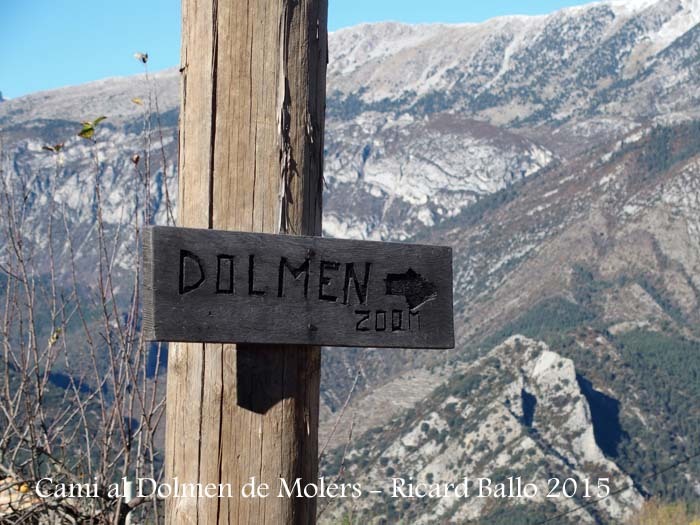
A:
(219, 286)
(251, 145)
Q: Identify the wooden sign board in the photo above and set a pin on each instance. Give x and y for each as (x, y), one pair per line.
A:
(238, 287)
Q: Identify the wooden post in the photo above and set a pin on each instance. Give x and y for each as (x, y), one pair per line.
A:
(251, 159)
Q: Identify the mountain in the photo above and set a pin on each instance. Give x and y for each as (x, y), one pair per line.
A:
(520, 411)
(600, 259)
(560, 83)
(528, 70)
(491, 103)
(560, 156)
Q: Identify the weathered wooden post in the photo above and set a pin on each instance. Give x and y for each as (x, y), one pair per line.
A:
(251, 158)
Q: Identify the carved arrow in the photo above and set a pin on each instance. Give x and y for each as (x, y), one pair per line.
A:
(412, 286)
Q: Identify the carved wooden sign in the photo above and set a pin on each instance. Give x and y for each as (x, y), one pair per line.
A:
(239, 287)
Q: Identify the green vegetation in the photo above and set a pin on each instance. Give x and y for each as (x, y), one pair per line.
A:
(350, 106)
(586, 284)
(660, 373)
(656, 291)
(669, 145)
(664, 147)
(550, 320)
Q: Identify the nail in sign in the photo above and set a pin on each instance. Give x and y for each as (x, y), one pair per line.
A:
(240, 287)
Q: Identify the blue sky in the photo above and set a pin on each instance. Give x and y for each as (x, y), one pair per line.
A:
(46, 44)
